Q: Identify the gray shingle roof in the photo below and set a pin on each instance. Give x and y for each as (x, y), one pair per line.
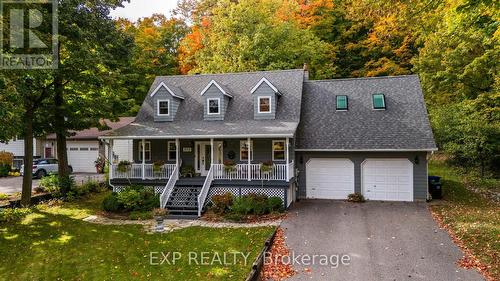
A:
(239, 117)
(402, 126)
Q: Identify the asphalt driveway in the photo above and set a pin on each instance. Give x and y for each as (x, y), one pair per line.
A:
(384, 241)
(11, 185)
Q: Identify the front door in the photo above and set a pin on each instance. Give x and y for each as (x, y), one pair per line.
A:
(203, 156)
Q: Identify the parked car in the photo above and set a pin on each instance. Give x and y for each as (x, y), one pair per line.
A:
(43, 167)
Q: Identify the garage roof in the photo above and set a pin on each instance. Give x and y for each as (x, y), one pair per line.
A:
(94, 133)
(403, 125)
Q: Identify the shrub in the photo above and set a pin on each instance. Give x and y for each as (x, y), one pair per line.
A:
(233, 217)
(50, 184)
(188, 171)
(4, 196)
(356, 197)
(242, 206)
(124, 166)
(131, 199)
(6, 158)
(111, 203)
(222, 203)
(14, 214)
(4, 170)
(275, 204)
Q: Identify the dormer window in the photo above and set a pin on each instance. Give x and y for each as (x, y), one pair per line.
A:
(163, 107)
(264, 104)
(378, 101)
(213, 106)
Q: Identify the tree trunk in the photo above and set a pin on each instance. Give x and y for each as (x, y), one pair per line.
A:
(28, 160)
(60, 130)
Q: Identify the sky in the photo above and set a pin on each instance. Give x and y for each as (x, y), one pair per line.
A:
(144, 8)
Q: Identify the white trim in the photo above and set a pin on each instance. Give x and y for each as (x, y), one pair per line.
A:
(250, 150)
(146, 144)
(367, 150)
(218, 106)
(389, 159)
(168, 89)
(168, 150)
(218, 86)
(268, 83)
(203, 136)
(284, 150)
(158, 107)
(270, 104)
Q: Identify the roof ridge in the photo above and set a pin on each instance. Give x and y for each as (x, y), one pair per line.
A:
(362, 78)
(228, 73)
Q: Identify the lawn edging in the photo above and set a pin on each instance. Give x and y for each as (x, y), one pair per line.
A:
(259, 261)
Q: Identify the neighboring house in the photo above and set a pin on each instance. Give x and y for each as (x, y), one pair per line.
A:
(326, 139)
(16, 147)
(84, 147)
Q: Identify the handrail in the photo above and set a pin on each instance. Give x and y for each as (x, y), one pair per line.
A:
(165, 195)
(204, 190)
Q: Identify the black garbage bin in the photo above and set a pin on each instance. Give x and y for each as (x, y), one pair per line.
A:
(435, 188)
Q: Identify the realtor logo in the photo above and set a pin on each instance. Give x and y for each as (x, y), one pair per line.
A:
(28, 34)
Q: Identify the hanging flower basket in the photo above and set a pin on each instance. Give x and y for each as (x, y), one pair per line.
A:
(124, 166)
(158, 166)
(266, 167)
(229, 166)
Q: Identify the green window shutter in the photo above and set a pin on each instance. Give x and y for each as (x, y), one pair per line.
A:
(378, 101)
(341, 103)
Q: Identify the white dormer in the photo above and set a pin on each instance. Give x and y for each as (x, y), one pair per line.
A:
(215, 100)
(265, 99)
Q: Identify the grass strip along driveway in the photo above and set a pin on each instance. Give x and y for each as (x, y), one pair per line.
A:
(473, 219)
(53, 243)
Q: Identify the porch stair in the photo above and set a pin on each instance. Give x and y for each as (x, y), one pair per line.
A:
(183, 201)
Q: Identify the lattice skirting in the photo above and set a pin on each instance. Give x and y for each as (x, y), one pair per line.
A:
(281, 192)
(157, 188)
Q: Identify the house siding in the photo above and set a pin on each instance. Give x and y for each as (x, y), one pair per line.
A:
(16, 147)
(214, 92)
(419, 170)
(264, 91)
(163, 94)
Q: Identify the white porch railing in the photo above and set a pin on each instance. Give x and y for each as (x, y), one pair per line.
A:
(204, 190)
(169, 186)
(134, 171)
(240, 172)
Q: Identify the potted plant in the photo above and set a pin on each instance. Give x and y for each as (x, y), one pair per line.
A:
(158, 166)
(187, 171)
(99, 163)
(229, 166)
(123, 166)
(266, 167)
(159, 214)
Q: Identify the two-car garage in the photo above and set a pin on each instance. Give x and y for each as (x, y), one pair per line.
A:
(388, 179)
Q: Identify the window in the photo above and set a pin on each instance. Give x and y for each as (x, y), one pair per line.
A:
(341, 103)
(73, 149)
(172, 151)
(213, 106)
(84, 149)
(378, 101)
(264, 104)
(163, 107)
(147, 145)
(94, 149)
(244, 150)
(278, 150)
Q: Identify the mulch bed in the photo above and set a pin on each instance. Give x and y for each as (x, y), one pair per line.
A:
(276, 269)
(468, 261)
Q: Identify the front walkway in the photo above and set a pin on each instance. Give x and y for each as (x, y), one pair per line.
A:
(385, 241)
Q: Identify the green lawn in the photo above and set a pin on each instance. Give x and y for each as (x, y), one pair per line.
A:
(53, 243)
(474, 220)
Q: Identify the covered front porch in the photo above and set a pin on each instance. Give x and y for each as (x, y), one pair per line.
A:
(229, 159)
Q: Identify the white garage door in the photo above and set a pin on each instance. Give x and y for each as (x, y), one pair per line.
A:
(82, 154)
(387, 179)
(329, 178)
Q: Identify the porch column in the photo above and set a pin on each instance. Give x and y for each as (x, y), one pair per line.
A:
(177, 156)
(287, 158)
(211, 152)
(143, 144)
(249, 158)
(110, 158)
